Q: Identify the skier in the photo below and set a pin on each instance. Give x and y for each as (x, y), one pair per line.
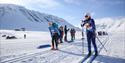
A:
(72, 33)
(53, 28)
(90, 31)
(61, 30)
(24, 36)
(66, 31)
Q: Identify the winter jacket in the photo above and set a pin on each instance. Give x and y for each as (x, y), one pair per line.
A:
(72, 31)
(54, 29)
(66, 30)
(91, 22)
(61, 33)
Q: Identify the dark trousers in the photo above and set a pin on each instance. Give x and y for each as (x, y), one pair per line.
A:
(91, 38)
(61, 39)
(65, 38)
(72, 37)
(55, 40)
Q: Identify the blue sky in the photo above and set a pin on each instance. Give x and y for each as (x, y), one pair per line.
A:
(73, 10)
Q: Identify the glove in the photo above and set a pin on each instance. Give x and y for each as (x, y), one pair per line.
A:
(87, 25)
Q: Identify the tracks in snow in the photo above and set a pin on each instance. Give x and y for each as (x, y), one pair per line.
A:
(42, 55)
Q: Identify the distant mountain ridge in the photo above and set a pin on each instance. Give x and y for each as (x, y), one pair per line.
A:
(14, 16)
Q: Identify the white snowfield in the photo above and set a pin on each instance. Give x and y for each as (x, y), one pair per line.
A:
(22, 50)
(26, 50)
(111, 24)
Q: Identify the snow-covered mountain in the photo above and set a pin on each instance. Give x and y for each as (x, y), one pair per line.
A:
(111, 24)
(15, 17)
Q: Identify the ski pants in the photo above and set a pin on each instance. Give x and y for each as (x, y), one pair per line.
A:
(65, 38)
(60, 38)
(91, 38)
(72, 37)
(55, 40)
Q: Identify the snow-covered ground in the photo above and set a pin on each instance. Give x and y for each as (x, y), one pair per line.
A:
(26, 50)
(22, 50)
(116, 49)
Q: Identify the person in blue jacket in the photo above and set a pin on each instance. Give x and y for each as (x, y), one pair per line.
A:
(53, 28)
(90, 31)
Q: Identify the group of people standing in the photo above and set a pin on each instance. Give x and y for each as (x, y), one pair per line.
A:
(57, 34)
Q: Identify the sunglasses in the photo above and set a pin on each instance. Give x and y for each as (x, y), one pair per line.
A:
(86, 16)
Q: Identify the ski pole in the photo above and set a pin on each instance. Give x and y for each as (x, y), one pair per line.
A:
(102, 47)
(82, 41)
(83, 46)
(101, 44)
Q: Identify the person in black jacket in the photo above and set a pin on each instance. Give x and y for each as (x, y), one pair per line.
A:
(65, 31)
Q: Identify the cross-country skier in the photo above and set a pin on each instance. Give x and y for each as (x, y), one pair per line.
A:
(72, 33)
(90, 31)
(66, 31)
(61, 30)
(53, 28)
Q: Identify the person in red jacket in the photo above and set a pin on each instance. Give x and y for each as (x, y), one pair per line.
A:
(61, 30)
(72, 33)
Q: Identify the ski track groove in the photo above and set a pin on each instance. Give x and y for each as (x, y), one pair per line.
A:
(31, 55)
(44, 55)
(51, 55)
(61, 55)
(56, 55)
(100, 48)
